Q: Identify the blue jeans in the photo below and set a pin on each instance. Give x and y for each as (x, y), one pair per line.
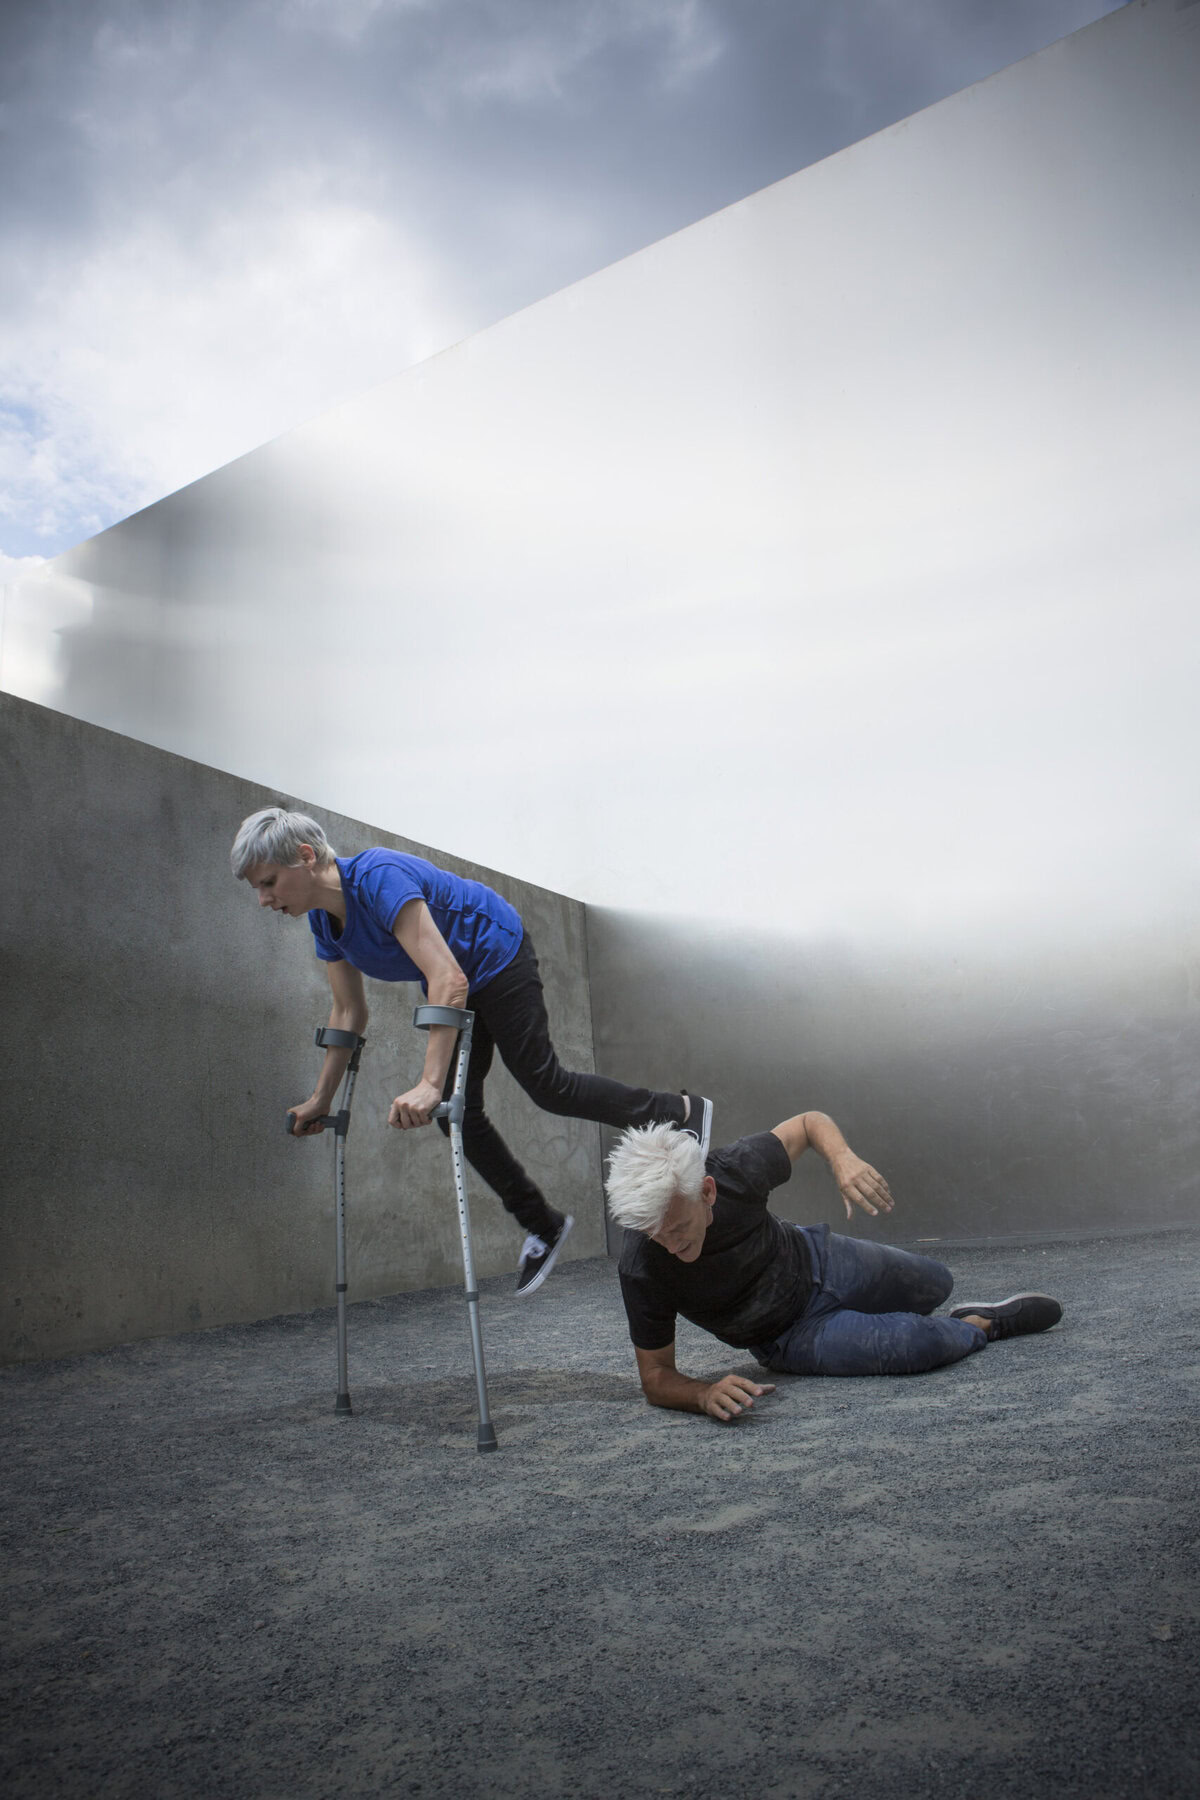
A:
(868, 1313)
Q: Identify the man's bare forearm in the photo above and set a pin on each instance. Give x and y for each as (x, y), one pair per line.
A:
(824, 1136)
(858, 1183)
(670, 1387)
(724, 1399)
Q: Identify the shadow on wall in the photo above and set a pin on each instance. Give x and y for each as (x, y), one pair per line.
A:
(1002, 1089)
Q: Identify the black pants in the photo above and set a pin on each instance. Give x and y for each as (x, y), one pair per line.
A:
(510, 1016)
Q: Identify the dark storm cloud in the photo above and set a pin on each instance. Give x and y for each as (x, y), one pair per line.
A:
(569, 133)
(217, 216)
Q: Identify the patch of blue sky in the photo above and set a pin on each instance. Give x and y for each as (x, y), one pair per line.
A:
(17, 538)
(26, 418)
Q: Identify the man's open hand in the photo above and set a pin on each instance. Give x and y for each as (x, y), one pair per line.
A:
(415, 1107)
(860, 1185)
(732, 1395)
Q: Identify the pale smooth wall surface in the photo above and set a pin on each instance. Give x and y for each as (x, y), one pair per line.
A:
(157, 1027)
(1006, 1090)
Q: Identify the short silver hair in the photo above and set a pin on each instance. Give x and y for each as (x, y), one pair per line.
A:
(650, 1165)
(275, 835)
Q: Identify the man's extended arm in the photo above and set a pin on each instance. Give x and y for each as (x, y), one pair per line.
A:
(858, 1183)
(664, 1385)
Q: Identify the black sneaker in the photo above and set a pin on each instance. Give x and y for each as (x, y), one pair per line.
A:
(1015, 1316)
(537, 1257)
(699, 1120)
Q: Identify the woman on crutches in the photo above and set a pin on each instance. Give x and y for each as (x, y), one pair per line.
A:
(397, 917)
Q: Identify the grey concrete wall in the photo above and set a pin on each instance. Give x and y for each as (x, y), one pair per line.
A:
(1005, 1088)
(156, 1027)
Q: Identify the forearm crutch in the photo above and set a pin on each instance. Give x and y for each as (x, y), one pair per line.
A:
(339, 1122)
(452, 1109)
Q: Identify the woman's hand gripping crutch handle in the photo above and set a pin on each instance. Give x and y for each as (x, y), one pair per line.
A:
(314, 1126)
(459, 1018)
(327, 1037)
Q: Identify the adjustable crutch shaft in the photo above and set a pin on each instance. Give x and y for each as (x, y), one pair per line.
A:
(452, 1111)
(327, 1038)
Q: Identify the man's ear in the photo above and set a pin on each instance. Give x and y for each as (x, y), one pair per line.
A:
(708, 1190)
(308, 855)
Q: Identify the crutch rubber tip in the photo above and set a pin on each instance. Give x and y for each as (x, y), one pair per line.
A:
(343, 1404)
(486, 1438)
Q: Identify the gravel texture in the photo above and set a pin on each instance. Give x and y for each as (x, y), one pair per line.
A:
(980, 1581)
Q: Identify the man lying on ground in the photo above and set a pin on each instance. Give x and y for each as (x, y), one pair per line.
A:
(396, 917)
(700, 1241)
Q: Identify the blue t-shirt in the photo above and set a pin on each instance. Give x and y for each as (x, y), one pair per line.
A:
(483, 931)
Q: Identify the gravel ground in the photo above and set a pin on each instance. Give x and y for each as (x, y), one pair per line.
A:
(979, 1581)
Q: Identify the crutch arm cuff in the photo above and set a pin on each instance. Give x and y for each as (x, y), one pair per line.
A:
(327, 1037)
(425, 1016)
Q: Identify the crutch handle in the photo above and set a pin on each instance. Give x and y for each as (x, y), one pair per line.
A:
(425, 1016)
(338, 1122)
(289, 1125)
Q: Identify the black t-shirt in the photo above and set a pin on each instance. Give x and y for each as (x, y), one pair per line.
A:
(752, 1277)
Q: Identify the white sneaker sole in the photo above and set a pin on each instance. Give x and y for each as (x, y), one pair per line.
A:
(532, 1286)
(700, 1128)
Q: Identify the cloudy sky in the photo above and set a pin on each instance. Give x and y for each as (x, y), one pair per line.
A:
(217, 217)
